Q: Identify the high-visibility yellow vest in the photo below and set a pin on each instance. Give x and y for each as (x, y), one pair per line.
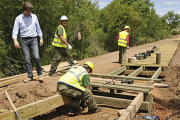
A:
(74, 77)
(57, 41)
(122, 39)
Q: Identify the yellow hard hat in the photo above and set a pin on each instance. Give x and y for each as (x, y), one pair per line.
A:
(127, 27)
(89, 64)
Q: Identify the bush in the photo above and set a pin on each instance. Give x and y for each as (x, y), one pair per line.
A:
(175, 32)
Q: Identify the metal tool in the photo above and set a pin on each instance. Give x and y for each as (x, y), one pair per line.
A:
(107, 82)
(128, 81)
(14, 108)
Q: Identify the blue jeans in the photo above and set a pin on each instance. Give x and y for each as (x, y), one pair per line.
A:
(28, 43)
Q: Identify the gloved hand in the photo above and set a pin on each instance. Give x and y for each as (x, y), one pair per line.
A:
(69, 47)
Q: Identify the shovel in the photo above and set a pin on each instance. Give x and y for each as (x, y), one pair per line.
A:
(14, 108)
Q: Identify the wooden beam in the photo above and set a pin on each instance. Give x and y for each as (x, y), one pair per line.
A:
(136, 72)
(160, 85)
(157, 73)
(145, 73)
(34, 109)
(122, 77)
(118, 71)
(128, 88)
(18, 79)
(42, 106)
(132, 109)
(123, 103)
(102, 81)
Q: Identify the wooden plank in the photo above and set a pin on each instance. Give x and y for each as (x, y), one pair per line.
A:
(42, 106)
(128, 88)
(136, 72)
(156, 74)
(160, 85)
(62, 64)
(122, 77)
(34, 109)
(124, 103)
(46, 68)
(18, 79)
(132, 109)
(118, 71)
(146, 73)
(102, 81)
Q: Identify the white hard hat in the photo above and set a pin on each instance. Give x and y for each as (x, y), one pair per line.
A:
(64, 17)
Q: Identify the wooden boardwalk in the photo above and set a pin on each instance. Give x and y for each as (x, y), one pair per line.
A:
(167, 51)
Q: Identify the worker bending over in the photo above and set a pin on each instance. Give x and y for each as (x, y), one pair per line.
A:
(75, 83)
(123, 44)
(60, 44)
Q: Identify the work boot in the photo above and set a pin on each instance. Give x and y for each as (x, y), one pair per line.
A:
(51, 73)
(74, 111)
(40, 78)
(98, 109)
(27, 80)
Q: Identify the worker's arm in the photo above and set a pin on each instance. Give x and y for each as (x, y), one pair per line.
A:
(127, 38)
(15, 33)
(86, 81)
(63, 40)
(60, 34)
(39, 32)
(87, 87)
(16, 43)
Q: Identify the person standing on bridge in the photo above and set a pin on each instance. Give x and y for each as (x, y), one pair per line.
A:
(123, 44)
(75, 83)
(60, 44)
(29, 29)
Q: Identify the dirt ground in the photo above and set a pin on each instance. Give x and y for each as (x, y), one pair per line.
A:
(166, 100)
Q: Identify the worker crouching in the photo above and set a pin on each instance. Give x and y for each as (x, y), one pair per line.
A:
(76, 83)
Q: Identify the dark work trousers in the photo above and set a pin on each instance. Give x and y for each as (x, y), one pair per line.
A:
(122, 54)
(28, 43)
(78, 96)
(59, 54)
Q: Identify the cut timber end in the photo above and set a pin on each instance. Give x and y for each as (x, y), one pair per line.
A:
(129, 60)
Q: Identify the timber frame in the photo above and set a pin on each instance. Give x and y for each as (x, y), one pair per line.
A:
(139, 96)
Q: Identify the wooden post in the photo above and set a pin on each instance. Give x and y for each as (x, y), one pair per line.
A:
(129, 60)
(158, 58)
(149, 98)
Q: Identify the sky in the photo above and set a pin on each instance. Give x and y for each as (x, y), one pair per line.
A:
(161, 6)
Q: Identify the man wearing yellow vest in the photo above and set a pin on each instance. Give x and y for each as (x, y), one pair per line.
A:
(60, 43)
(75, 83)
(123, 44)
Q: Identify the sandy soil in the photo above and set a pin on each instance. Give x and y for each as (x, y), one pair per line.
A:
(165, 99)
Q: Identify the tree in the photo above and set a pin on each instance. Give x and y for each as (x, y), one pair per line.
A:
(173, 19)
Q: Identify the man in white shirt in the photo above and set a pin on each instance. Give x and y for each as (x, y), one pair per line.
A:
(29, 29)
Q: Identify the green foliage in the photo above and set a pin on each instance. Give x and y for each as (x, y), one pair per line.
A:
(173, 19)
(175, 32)
(98, 28)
